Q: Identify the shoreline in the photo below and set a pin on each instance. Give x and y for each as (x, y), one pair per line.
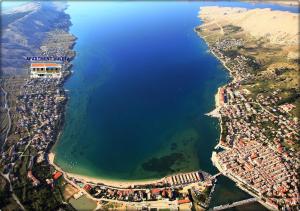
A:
(88, 179)
(233, 160)
(81, 180)
(219, 145)
(96, 180)
(217, 101)
(127, 183)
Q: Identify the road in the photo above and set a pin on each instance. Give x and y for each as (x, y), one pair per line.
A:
(6, 176)
(9, 118)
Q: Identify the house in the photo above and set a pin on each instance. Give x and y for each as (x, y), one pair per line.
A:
(87, 188)
(57, 175)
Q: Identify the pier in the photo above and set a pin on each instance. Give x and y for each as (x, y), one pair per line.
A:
(234, 204)
(216, 175)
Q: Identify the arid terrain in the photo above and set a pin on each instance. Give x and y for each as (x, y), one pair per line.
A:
(273, 42)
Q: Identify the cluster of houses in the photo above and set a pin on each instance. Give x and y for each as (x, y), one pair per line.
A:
(40, 111)
(287, 107)
(228, 44)
(243, 117)
(258, 134)
(237, 64)
(137, 195)
(263, 171)
(237, 116)
(175, 189)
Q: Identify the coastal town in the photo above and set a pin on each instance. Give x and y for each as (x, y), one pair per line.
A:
(259, 141)
(40, 111)
(258, 147)
(180, 191)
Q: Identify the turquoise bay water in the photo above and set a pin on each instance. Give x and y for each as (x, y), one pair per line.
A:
(142, 83)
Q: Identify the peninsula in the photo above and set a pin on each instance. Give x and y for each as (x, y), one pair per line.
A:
(259, 109)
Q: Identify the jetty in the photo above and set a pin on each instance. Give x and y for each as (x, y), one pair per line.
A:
(214, 113)
(216, 175)
(234, 204)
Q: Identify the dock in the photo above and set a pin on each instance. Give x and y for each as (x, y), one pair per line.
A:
(234, 204)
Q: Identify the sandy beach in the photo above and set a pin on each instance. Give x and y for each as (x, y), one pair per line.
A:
(87, 179)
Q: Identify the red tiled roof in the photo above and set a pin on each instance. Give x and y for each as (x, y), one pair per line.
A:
(87, 187)
(45, 65)
(183, 201)
(155, 191)
(57, 175)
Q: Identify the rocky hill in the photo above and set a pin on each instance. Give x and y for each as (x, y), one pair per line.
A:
(23, 30)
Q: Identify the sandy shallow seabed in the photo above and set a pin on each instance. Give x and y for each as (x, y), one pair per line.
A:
(114, 183)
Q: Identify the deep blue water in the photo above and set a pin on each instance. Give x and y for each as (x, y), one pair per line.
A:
(142, 81)
(142, 75)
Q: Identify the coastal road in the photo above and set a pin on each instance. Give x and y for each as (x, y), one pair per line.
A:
(9, 118)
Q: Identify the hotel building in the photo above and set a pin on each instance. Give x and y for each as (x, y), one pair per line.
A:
(45, 70)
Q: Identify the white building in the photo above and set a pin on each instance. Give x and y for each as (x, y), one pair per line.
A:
(45, 70)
